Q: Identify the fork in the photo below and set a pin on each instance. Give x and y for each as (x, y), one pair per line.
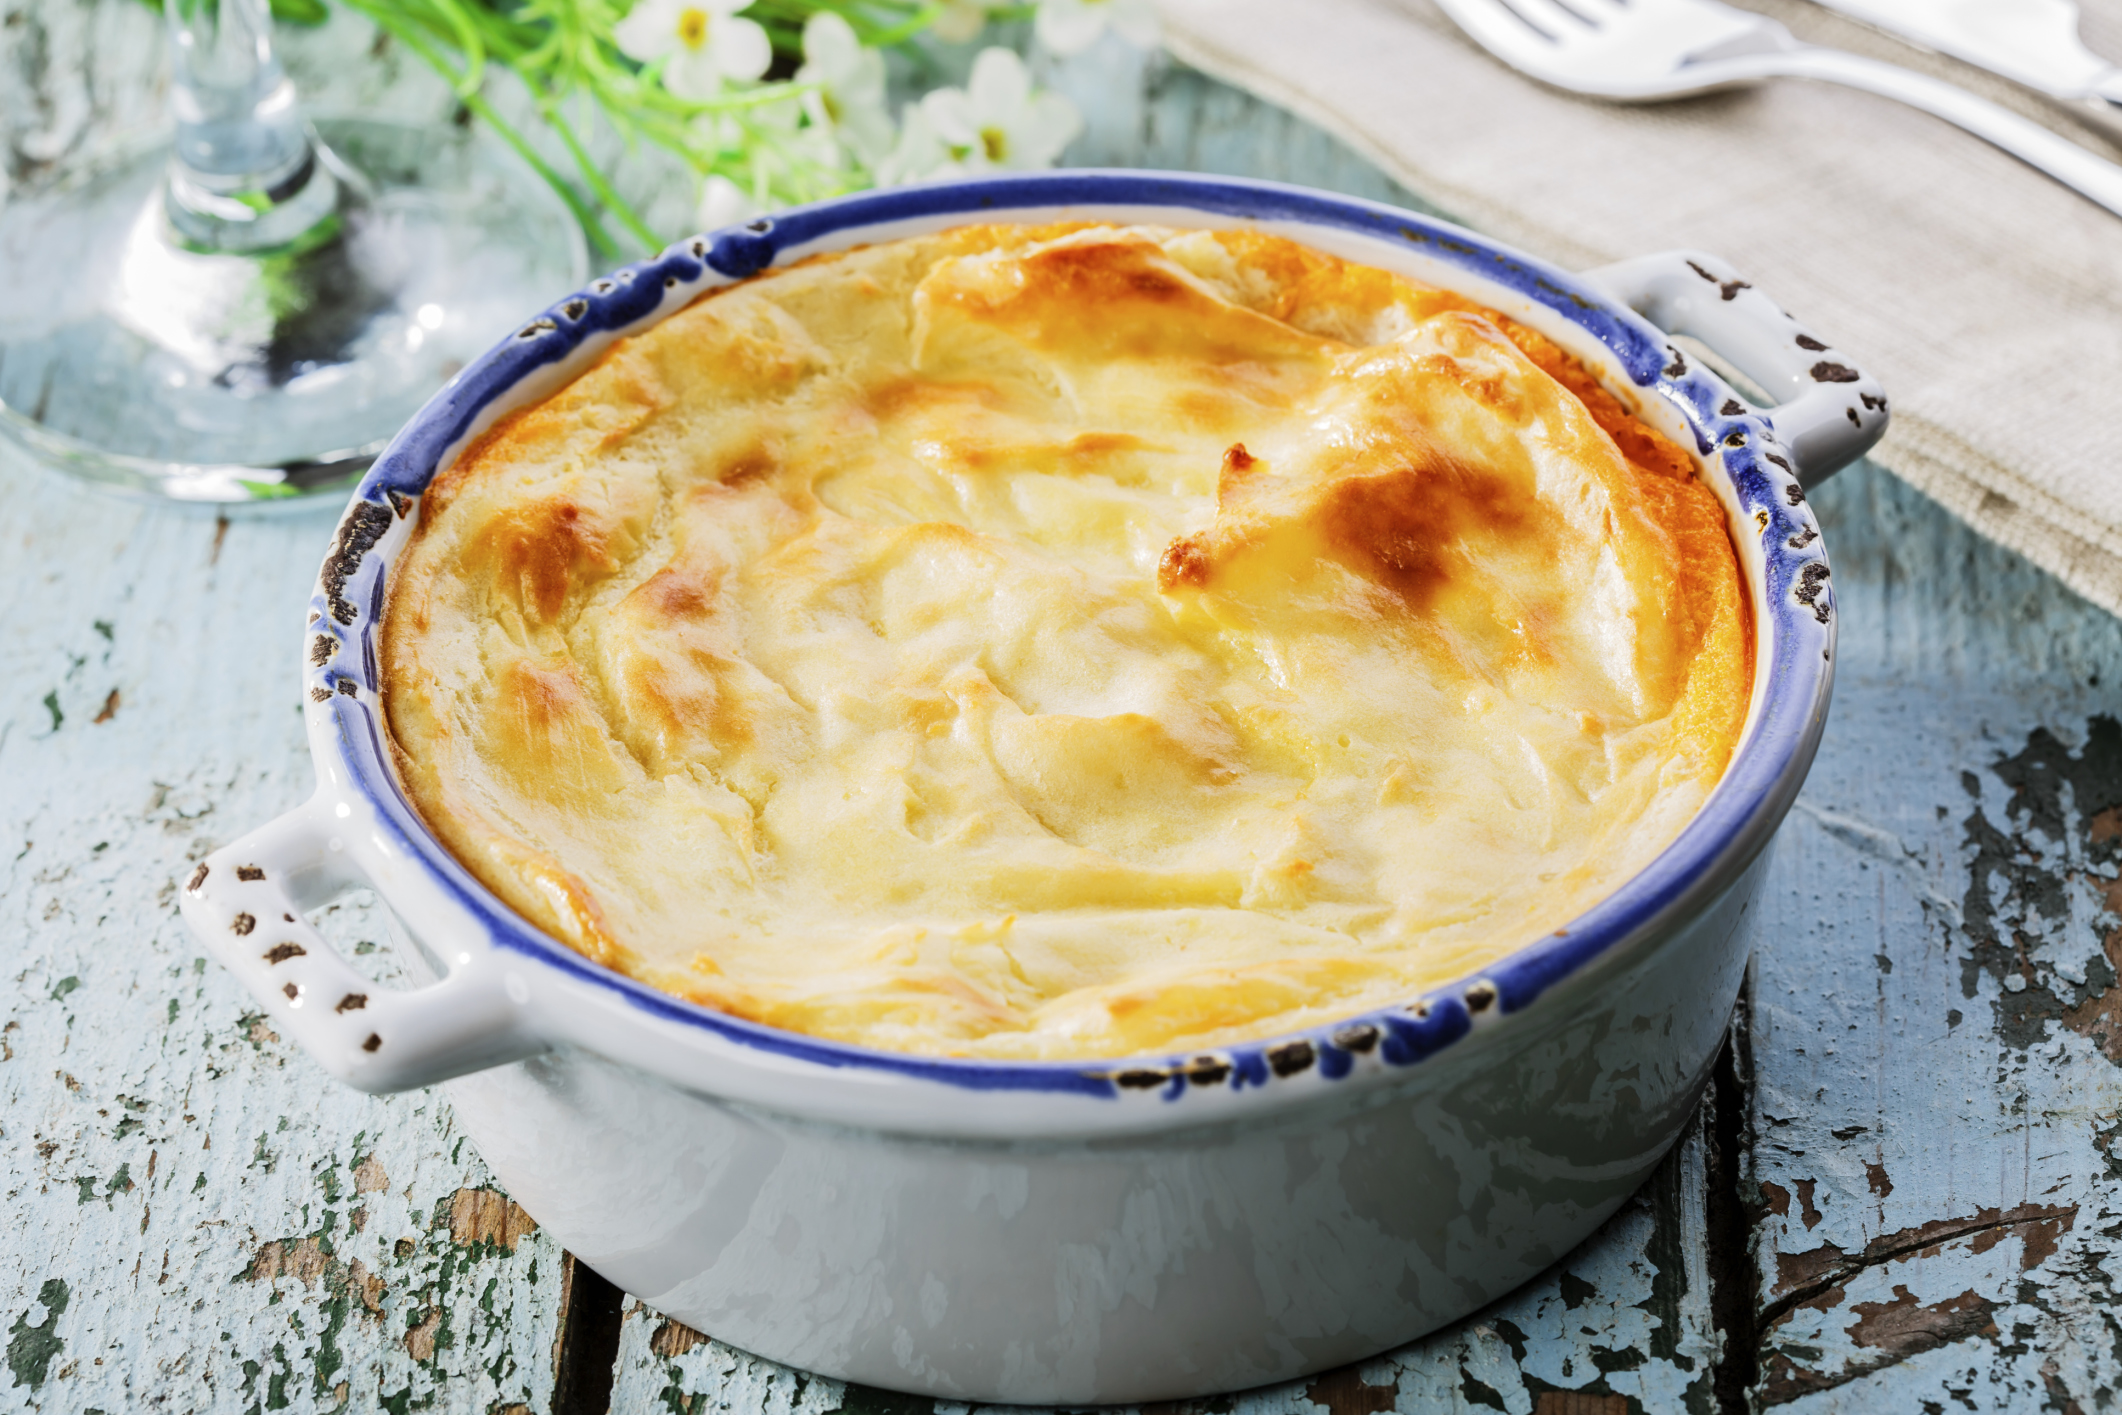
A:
(1641, 51)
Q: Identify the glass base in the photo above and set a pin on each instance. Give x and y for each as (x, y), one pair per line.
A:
(128, 360)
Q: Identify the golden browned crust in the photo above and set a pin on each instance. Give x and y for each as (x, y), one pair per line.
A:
(1066, 642)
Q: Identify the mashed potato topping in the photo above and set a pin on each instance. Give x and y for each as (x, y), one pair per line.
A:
(1066, 642)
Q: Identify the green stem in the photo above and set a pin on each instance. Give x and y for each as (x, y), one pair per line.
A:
(909, 27)
(468, 40)
(613, 202)
(563, 50)
(600, 240)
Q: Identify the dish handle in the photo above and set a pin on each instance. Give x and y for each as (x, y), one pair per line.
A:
(1832, 410)
(245, 902)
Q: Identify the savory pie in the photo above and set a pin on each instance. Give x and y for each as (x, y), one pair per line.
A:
(1066, 642)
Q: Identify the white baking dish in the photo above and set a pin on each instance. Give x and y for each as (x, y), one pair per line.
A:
(1071, 1232)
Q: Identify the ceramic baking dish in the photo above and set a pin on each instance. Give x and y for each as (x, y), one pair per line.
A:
(1153, 1228)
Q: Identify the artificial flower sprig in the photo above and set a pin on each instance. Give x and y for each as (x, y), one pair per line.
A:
(768, 102)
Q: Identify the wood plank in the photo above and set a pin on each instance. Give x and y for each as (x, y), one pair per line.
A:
(198, 1217)
(1935, 1016)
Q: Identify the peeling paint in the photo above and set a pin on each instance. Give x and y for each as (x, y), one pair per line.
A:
(1935, 1037)
(487, 1218)
(32, 1346)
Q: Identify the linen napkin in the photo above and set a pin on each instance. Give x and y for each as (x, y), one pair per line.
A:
(1986, 297)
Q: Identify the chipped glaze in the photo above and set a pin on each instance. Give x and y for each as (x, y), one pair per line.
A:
(983, 1175)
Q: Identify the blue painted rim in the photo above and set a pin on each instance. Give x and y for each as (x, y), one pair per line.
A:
(1716, 845)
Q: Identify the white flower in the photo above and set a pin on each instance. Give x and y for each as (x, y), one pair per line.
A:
(706, 41)
(848, 101)
(960, 22)
(723, 203)
(1071, 26)
(919, 155)
(996, 121)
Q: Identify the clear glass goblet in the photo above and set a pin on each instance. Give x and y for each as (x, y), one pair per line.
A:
(250, 312)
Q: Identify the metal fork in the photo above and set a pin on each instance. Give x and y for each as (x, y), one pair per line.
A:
(1640, 51)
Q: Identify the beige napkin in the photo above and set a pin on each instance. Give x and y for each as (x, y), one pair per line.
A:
(1987, 298)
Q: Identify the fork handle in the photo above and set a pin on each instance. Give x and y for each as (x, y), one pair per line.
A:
(2062, 159)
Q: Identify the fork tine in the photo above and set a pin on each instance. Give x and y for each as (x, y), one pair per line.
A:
(1560, 20)
(1502, 31)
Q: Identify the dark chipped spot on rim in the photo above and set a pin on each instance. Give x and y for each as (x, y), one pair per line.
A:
(1678, 367)
(1208, 1071)
(1793, 493)
(365, 523)
(1874, 401)
(401, 503)
(1854, 420)
(372, 1043)
(320, 695)
(1761, 521)
(1803, 538)
(347, 689)
(699, 249)
(535, 328)
(575, 308)
(242, 924)
(1359, 1038)
(1480, 997)
(1810, 344)
(1697, 268)
(249, 872)
(293, 991)
(1418, 1010)
(281, 952)
(287, 918)
(1828, 371)
(602, 287)
(321, 650)
(1731, 409)
(198, 878)
(352, 1002)
(1141, 1079)
(1812, 580)
(1291, 1057)
(1735, 438)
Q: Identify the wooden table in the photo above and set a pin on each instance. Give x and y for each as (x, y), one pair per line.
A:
(1899, 1196)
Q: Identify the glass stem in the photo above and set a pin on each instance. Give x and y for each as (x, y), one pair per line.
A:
(245, 177)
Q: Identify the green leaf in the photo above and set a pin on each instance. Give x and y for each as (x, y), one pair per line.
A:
(300, 12)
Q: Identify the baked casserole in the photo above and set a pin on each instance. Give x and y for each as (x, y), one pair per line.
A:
(1066, 642)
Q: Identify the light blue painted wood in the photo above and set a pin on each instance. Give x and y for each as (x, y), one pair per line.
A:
(195, 1219)
(1934, 1030)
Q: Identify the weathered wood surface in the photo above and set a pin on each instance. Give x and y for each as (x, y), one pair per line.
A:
(1925, 1142)
(195, 1222)
(1935, 1020)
